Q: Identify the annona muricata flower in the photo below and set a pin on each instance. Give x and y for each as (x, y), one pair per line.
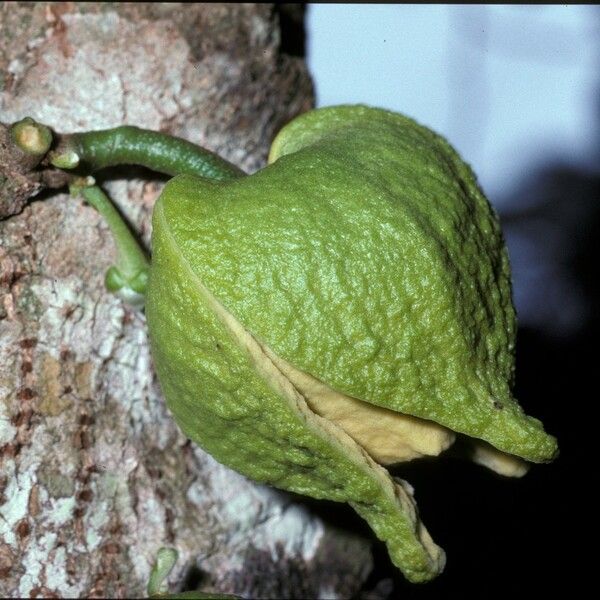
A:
(345, 307)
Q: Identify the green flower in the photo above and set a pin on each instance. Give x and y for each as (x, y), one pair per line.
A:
(347, 306)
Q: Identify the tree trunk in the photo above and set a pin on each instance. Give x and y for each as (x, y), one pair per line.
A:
(94, 475)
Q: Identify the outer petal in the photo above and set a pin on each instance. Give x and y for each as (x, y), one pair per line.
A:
(228, 397)
(367, 256)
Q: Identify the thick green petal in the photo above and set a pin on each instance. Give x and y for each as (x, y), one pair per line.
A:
(230, 399)
(367, 256)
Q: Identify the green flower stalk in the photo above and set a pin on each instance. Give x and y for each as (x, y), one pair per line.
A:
(127, 278)
(128, 145)
(95, 150)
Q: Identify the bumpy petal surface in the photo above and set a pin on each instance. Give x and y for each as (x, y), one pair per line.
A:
(350, 303)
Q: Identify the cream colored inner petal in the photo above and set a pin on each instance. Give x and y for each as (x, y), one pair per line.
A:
(388, 436)
(508, 465)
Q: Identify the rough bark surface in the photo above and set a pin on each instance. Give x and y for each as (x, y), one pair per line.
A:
(94, 475)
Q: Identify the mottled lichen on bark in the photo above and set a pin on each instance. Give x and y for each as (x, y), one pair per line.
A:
(94, 475)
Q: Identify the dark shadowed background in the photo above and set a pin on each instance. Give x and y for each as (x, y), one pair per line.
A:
(516, 90)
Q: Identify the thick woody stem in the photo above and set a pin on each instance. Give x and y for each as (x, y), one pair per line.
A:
(28, 164)
(83, 153)
(23, 146)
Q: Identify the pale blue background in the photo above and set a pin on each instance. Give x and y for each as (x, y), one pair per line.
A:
(513, 88)
(507, 85)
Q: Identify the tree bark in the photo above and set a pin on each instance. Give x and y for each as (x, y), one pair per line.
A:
(94, 475)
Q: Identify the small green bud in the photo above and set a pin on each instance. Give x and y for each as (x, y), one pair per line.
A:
(64, 160)
(31, 137)
(114, 280)
(165, 561)
(131, 290)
